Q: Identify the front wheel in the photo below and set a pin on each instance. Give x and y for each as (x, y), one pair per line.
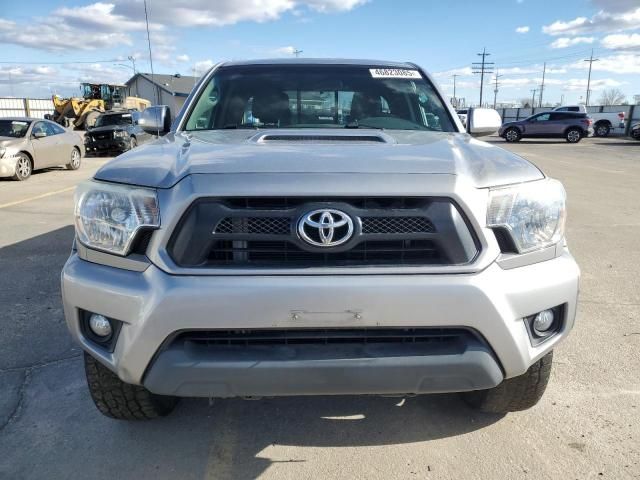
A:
(573, 135)
(24, 168)
(123, 401)
(75, 160)
(133, 143)
(512, 135)
(514, 394)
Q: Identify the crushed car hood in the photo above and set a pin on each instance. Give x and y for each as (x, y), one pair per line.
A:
(166, 161)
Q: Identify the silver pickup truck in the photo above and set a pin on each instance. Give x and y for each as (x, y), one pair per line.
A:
(318, 227)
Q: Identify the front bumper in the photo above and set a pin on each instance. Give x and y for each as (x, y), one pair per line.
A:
(8, 166)
(154, 305)
(119, 144)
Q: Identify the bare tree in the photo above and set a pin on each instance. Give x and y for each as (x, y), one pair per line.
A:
(525, 102)
(612, 96)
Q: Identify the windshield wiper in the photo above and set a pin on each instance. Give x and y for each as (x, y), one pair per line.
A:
(355, 124)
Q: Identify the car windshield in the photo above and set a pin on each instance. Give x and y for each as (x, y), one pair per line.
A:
(14, 128)
(119, 119)
(268, 96)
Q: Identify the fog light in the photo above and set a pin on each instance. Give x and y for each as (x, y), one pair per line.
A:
(100, 325)
(543, 322)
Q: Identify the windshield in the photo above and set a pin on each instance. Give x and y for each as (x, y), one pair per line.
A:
(13, 128)
(120, 119)
(319, 97)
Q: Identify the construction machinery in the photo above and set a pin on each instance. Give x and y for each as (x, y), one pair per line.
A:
(82, 112)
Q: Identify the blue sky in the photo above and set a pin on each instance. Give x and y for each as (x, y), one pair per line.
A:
(42, 40)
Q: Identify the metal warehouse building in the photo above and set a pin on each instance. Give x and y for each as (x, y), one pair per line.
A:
(171, 90)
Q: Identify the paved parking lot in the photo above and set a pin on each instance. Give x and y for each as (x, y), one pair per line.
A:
(586, 426)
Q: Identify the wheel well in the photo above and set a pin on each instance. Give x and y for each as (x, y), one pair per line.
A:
(574, 127)
(28, 155)
(604, 122)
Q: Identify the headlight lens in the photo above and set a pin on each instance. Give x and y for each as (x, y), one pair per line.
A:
(108, 216)
(533, 213)
(120, 133)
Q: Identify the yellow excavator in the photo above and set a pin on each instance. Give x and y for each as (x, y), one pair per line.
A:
(82, 112)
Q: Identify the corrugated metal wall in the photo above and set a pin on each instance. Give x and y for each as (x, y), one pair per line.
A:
(25, 107)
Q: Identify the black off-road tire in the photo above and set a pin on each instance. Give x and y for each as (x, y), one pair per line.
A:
(133, 143)
(120, 400)
(514, 394)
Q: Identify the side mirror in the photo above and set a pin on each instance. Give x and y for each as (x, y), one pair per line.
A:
(483, 121)
(156, 120)
(39, 134)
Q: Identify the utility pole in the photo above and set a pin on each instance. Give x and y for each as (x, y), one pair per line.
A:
(146, 19)
(297, 52)
(544, 70)
(590, 60)
(455, 100)
(482, 68)
(533, 99)
(495, 90)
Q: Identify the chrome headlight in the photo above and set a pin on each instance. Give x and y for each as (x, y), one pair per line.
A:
(120, 133)
(108, 216)
(533, 213)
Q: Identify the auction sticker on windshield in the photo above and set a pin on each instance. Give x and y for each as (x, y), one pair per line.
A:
(394, 73)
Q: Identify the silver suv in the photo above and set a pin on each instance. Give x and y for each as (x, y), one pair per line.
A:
(318, 227)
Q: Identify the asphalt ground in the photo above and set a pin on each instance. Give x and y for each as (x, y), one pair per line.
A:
(586, 426)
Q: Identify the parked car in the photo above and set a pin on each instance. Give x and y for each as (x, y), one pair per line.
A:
(462, 115)
(28, 144)
(635, 131)
(603, 123)
(569, 125)
(265, 248)
(115, 132)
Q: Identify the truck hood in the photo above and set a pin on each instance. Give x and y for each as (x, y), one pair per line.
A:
(166, 161)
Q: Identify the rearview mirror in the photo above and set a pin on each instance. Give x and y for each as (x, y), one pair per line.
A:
(156, 120)
(39, 134)
(483, 121)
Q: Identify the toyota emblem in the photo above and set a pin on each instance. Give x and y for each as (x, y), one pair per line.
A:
(325, 227)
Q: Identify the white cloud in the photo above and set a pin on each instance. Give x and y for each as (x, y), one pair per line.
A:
(455, 71)
(621, 41)
(52, 35)
(603, 21)
(523, 29)
(182, 58)
(202, 66)
(283, 51)
(564, 42)
(618, 64)
(188, 13)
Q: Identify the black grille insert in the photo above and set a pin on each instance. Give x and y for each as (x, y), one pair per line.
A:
(259, 232)
(362, 336)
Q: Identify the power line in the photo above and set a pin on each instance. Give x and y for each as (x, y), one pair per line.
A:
(482, 68)
(590, 60)
(61, 63)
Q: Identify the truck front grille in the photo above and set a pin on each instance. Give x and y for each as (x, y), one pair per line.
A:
(324, 336)
(252, 232)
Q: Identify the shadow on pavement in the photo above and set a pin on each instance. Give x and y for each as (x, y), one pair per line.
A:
(55, 431)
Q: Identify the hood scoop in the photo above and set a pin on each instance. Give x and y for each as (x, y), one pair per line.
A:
(320, 137)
